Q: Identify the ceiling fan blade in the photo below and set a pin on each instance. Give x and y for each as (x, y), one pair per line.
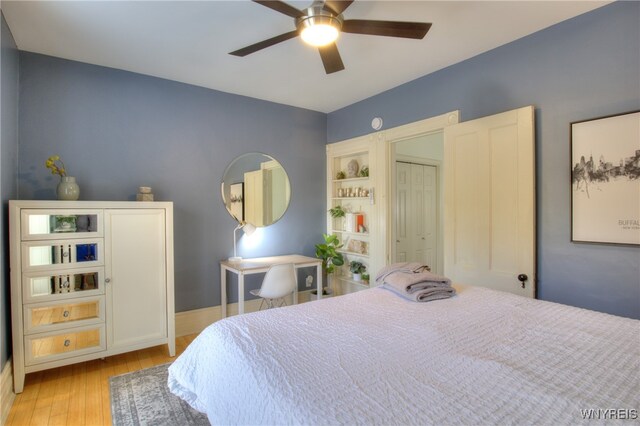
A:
(282, 7)
(415, 30)
(331, 58)
(337, 6)
(264, 44)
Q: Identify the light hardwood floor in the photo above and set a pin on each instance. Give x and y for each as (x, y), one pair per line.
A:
(79, 394)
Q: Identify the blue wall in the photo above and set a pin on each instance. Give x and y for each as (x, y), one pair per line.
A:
(117, 130)
(583, 68)
(8, 173)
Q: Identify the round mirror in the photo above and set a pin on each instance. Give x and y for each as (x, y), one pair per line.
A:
(255, 189)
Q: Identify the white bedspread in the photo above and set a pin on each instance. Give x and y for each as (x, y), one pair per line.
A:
(482, 357)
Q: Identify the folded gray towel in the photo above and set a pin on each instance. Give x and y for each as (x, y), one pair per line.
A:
(407, 282)
(415, 282)
(424, 295)
(406, 267)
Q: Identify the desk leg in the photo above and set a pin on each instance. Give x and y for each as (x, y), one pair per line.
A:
(223, 291)
(241, 293)
(295, 292)
(319, 280)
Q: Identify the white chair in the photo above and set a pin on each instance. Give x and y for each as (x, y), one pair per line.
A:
(278, 282)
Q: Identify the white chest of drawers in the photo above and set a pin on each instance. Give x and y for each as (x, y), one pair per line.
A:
(89, 279)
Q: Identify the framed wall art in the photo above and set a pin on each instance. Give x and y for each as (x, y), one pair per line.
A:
(605, 179)
(236, 197)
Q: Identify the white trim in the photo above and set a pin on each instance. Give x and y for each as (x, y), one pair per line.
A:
(194, 321)
(6, 391)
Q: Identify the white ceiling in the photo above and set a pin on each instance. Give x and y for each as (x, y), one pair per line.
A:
(189, 42)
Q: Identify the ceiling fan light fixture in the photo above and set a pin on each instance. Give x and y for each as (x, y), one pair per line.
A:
(319, 30)
(320, 35)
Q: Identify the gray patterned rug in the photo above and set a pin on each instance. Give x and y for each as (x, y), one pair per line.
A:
(143, 398)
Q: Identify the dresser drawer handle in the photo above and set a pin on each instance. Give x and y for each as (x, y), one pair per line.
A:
(67, 342)
(65, 314)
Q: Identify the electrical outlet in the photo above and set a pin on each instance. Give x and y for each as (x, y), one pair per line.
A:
(309, 280)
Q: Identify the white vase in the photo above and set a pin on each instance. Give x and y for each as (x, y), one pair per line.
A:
(68, 189)
(357, 277)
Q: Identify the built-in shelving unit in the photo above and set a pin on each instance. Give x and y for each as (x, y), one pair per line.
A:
(356, 195)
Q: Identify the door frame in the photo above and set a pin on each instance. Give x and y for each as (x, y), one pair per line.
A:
(386, 162)
(439, 266)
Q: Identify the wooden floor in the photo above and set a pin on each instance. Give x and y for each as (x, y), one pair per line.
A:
(79, 394)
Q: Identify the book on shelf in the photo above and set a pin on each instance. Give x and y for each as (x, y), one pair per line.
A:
(360, 222)
(350, 222)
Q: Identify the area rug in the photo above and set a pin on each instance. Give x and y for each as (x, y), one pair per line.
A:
(143, 398)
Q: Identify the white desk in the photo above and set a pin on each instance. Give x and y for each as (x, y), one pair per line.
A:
(261, 265)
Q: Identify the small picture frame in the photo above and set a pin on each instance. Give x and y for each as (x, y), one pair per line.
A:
(605, 180)
(64, 223)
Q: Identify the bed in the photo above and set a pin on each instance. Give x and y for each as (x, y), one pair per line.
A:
(481, 357)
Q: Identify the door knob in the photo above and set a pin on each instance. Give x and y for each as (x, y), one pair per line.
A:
(522, 278)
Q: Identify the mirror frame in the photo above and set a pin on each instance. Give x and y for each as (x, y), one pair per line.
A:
(223, 183)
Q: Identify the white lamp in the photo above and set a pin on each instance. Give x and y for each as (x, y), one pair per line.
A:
(248, 229)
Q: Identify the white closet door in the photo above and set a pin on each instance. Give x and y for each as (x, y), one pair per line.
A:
(137, 287)
(404, 236)
(489, 206)
(416, 213)
(424, 188)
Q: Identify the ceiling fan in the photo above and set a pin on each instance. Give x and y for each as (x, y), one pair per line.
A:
(321, 23)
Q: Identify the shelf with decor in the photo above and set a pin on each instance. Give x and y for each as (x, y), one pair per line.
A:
(354, 179)
(353, 253)
(350, 280)
(348, 233)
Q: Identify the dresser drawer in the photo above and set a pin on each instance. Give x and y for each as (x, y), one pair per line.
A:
(61, 254)
(39, 224)
(44, 347)
(54, 286)
(40, 317)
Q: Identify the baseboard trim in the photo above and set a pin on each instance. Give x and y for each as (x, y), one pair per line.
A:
(193, 322)
(6, 388)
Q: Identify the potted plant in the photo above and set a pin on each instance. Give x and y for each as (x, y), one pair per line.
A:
(365, 278)
(328, 252)
(357, 268)
(340, 175)
(337, 212)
